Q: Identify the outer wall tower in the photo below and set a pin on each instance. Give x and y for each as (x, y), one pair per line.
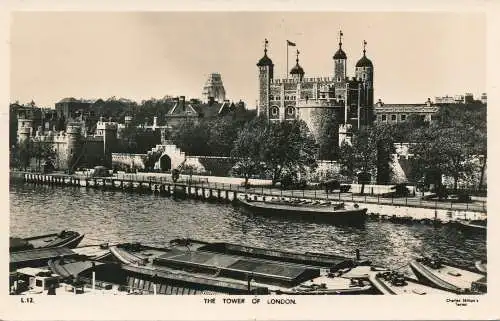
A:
(73, 133)
(266, 73)
(24, 128)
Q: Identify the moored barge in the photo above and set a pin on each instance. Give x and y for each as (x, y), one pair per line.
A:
(68, 239)
(318, 211)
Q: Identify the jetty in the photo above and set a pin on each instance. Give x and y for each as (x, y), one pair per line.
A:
(395, 209)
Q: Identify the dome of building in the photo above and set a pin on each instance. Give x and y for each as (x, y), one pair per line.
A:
(364, 62)
(297, 70)
(265, 61)
(340, 54)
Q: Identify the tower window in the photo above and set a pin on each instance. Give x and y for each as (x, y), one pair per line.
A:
(384, 117)
(275, 111)
(290, 111)
(403, 117)
(393, 117)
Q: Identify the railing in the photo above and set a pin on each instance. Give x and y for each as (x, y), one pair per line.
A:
(315, 194)
(312, 193)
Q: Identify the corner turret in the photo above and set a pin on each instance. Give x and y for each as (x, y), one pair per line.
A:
(266, 70)
(340, 61)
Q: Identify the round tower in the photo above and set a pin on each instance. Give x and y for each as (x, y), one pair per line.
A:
(109, 142)
(266, 69)
(340, 61)
(24, 129)
(73, 138)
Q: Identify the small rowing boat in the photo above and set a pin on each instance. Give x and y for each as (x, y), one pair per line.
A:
(481, 266)
(390, 282)
(308, 210)
(473, 226)
(68, 239)
(445, 276)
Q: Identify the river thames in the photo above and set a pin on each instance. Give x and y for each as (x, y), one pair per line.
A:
(109, 216)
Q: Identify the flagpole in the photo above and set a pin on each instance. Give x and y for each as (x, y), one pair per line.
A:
(286, 71)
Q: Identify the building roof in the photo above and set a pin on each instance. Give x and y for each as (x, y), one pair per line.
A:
(297, 70)
(265, 61)
(364, 62)
(340, 54)
(68, 100)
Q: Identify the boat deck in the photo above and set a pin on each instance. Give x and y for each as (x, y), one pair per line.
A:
(234, 271)
(458, 277)
(91, 251)
(38, 255)
(303, 207)
(238, 267)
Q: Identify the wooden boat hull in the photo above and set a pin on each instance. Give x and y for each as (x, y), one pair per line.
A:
(68, 239)
(447, 278)
(228, 272)
(333, 262)
(309, 213)
(410, 287)
(470, 227)
(481, 266)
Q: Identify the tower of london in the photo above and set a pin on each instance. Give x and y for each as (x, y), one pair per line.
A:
(347, 99)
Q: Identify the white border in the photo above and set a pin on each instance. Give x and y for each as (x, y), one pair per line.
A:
(318, 307)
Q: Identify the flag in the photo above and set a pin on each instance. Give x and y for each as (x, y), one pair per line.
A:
(291, 43)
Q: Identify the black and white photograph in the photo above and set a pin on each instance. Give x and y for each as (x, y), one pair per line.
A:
(272, 155)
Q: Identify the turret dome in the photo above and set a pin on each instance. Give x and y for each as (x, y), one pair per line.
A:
(265, 61)
(340, 54)
(364, 62)
(297, 70)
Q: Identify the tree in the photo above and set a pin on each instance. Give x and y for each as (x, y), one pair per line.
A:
(43, 152)
(360, 157)
(246, 151)
(328, 135)
(288, 146)
(23, 153)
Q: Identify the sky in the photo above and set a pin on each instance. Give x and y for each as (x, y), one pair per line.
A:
(139, 55)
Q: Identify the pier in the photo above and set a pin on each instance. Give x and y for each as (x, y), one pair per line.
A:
(405, 209)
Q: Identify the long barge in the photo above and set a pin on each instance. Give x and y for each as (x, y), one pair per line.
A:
(308, 210)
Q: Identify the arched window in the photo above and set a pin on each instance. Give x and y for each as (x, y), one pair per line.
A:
(290, 111)
(275, 112)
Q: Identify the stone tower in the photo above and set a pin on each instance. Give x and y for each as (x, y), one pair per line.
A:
(340, 61)
(214, 89)
(24, 128)
(266, 69)
(73, 136)
(364, 72)
(108, 131)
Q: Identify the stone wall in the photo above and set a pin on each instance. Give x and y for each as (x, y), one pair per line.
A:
(128, 160)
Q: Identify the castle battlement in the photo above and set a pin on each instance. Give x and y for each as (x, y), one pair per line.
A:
(94, 139)
(61, 138)
(101, 125)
